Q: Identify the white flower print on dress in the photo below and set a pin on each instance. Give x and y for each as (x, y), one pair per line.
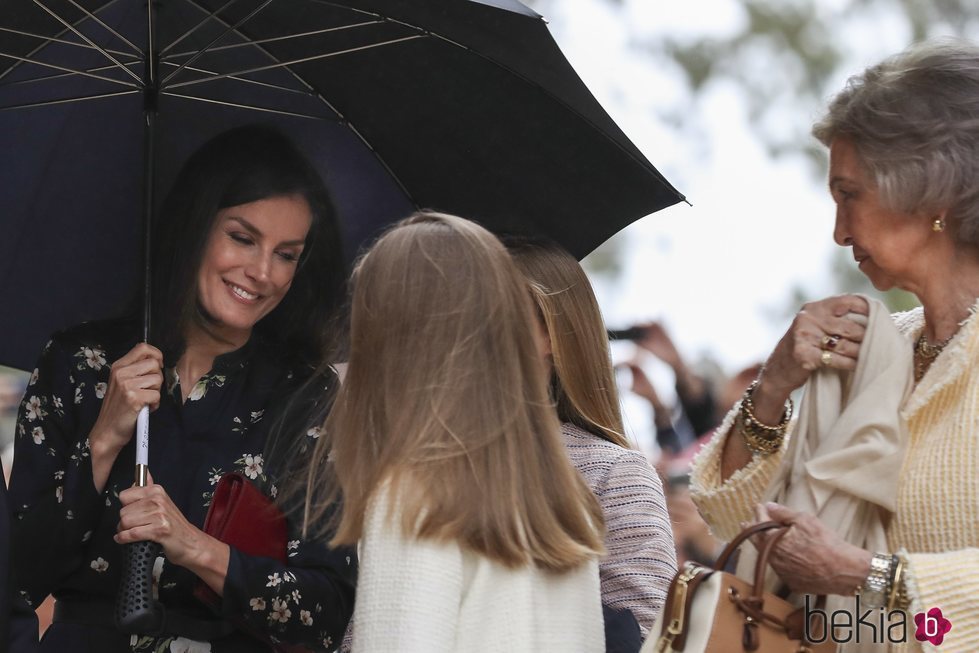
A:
(296, 596)
(37, 434)
(33, 408)
(257, 415)
(200, 388)
(315, 432)
(198, 391)
(95, 358)
(78, 394)
(184, 645)
(257, 603)
(58, 404)
(33, 377)
(273, 491)
(253, 466)
(274, 580)
(100, 389)
(60, 474)
(59, 493)
(157, 572)
(306, 617)
(99, 564)
(292, 545)
(280, 611)
(289, 577)
(215, 476)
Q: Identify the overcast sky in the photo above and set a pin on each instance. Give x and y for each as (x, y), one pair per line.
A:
(719, 273)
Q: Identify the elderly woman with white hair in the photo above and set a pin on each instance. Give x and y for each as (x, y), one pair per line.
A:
(903, 139)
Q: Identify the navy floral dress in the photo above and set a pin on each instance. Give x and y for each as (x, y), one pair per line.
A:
(63, 528)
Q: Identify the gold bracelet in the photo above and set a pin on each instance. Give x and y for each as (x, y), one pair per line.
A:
(899, 599)
(748, 412)
(756, 442)
(759, 437)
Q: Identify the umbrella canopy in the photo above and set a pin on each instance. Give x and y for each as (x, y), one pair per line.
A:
(465, 106)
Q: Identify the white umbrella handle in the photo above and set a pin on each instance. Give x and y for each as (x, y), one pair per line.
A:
(142, 446)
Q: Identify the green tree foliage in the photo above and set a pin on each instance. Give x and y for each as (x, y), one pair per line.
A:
(790, 55)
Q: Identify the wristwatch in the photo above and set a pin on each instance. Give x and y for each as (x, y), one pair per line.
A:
(876, 586)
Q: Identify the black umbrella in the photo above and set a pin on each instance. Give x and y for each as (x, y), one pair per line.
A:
(462, 105)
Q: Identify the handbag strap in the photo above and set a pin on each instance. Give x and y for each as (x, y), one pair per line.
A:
(739, 539)
(680, 596)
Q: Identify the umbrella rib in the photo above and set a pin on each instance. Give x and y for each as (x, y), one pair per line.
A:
(45, 78)
(82, 98)
(98, 20)
(645, 164)
(343, 119)
(71, 27)
(6, 72)
(225, 103)
(206, 49)
(70, 70)
(52, 39)
(245, 80)
(285, 64)
(196, 27)
(384, 164)
(278, 38)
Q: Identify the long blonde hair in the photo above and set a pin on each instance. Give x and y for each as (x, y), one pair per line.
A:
(583, 382)
(445, 401)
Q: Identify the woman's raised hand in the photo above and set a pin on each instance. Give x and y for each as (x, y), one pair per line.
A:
(826, 333)
(135, 381)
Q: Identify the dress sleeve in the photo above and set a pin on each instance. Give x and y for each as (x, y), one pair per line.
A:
(306, 601)
(641, 559)
(409, 592)
(726, 505)
(949, 581)
(52, 493)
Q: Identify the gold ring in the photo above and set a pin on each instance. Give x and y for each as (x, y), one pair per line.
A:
(826, 358)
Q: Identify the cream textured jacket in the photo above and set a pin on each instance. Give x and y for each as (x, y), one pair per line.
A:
(428, 597)
(936, 520)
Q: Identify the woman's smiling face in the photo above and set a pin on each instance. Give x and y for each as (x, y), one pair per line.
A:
(887, 244)
(250, 261)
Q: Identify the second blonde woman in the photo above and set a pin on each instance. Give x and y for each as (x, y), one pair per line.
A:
(641, 559)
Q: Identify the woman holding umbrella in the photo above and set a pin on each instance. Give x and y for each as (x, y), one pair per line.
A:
(247, 271)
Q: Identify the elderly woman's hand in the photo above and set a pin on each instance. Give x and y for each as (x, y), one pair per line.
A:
(811, 558)
(820, 335)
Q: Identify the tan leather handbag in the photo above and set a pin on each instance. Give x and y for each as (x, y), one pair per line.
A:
(711, 611)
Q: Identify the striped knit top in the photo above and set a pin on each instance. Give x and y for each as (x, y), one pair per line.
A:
(937, 519)
(640, 558)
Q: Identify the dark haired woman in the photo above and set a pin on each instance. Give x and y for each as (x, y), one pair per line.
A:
(248, 269)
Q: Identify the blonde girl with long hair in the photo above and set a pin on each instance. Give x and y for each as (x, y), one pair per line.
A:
(475, 532)
(641, 559)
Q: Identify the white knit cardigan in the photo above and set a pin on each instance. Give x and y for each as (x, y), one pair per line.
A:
(424, 596)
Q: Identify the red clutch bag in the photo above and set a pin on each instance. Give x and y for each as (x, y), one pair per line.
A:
(242, 517)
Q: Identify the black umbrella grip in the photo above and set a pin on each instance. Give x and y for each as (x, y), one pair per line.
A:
(136, 611)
